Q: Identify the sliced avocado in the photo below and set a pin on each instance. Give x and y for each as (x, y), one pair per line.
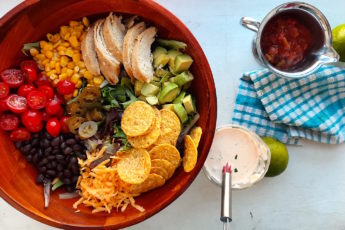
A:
(149, 89)
(142, 98)
(181, 112)
(182, 63)
(187, 86)
(172, 44)
(172, 55)
(162, 72)
(179, 98)
(165, 78)
(182, 79)
(158, 84)
(138, 85)
(168, 106)
(168, 93)
(160, 57)
(166, 83)
(189, 104)
(152, 100)
(156, 78)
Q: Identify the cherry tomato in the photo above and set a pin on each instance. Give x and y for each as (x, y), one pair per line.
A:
(42, 80)
(13, 77)
(16, 103)
(20, 134)
(8, 122)
(29, 68)
(36, 99)
(64, 127)
(4, 90)
(53, 127)
(47, 90)
(24, 90)
(53, 106)
(3, 104)
(65, 87)
(32, 120)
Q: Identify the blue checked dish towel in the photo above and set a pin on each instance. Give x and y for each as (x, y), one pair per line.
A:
(310, 108)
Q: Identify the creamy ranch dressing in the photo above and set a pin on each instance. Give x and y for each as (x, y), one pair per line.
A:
(242, 149)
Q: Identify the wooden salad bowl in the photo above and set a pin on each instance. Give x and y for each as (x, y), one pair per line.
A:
(29, 22)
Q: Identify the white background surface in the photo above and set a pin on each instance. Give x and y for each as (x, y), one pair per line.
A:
(310, 194)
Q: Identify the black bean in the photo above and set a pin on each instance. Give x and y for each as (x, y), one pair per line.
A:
(67, 173)
(67, 181)
(54, 164)
(35, 159)
(47, 135)
(36, 135)
(67, 150)
(75, 169)
(51, 173)
(61, 138)
(29, 158)
(49, 165)
(75, 179)
(60, 175)
(33, 151)
(56, 151)
(26, 148)
(45, 143)
(43, 161)
(18, 144)
(42, 169)
(63, 145)
(35, 142)
(60, 157)
(55, 141)
(76, 147)
(77, 138)
(26, 142)
(70, 141)
(40, 153)
(49, 149)
(69, 188)
(51, 157)
(39, 179)
(59, 167)
(62, 161)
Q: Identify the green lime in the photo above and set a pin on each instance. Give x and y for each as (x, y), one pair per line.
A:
(279, 157)
(338, 34)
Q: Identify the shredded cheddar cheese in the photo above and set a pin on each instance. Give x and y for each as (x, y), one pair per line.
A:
(101, 187)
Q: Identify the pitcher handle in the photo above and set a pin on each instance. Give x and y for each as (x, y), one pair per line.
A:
(250, 23)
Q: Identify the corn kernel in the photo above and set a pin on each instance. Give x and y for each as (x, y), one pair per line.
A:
(82, 71)
(88, 75)
(76, 69)
(56, 38)
(98, 80)
(43, 44)
(74, 23)
(63, 61)
(76, 58)
(58, 68)
(52, 65)
(56, 44)
(79, 84)
(62, 76)
(75, 93)
(64, 70)
(75, 78)
(34, 52)
(73, 40)
(48, 54)
(81, 64)
(49, 37)
(69, 72)
(68, 97)
(53, 77)
(61, 53)
(65, 44)
(69, 53)
(64, 30)
(70, 65)
(40, 57)
(66, 36)
(45, 61)
(61, 48)
(86, 21)
(55, 82)
(48, 46)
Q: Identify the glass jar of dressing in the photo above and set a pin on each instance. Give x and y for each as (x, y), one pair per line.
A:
(247, 154)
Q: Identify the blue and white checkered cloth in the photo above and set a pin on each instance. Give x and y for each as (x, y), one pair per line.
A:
(291, 109)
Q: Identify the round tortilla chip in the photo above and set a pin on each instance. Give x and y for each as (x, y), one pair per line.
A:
(166, 165)
(153, 181)
(195, 134)
(137, 119)
(170, 128)
(144, 141)
(166, 152)
(160, 171)
(190, 154)
(134, 166)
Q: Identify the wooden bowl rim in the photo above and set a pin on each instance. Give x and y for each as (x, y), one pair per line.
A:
(12, 14)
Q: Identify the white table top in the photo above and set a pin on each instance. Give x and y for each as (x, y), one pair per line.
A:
(310, 194)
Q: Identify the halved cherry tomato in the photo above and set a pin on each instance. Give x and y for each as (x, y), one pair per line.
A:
(36, 99)
(47, 90)
(20, 134)
(42, 80)
(29, 68)
(33, 120)
(64, 127)
(16, 103)
(53, 127)
(24, 90)
(4, 90)
(53, 106)
(65, 87)
(13, 77)
(9, 122)
(3, 104)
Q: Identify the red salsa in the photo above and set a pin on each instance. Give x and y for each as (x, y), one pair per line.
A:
(285, 41)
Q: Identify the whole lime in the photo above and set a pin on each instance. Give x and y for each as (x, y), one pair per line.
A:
(279, 157)
(338, 34)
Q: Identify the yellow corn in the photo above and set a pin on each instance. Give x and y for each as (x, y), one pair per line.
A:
(69, 72)
(53, 77)
(78, 84)
(40, 57)
(48, 54)
(34, 52)
(76, 58)
(57, 43)
(47, 67)
(75, 78)
(52, 65)
(43, 44)
(73, 40)
(64, 30)
(70, 65)
(81, 64)
(85, 21)
(82, 71)
(61, 48)
(75, 93)
(49, 37)
(48, 46)
(58, 68)
(68, 97)
(65, 44)
(88, 75)
(98, 80)
(55, 81)
(62, 76)
(69, 52)
(74, 23)
(45, 61)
